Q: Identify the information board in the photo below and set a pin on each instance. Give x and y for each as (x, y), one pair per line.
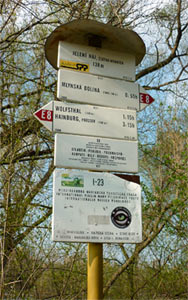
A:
(92, 153)
(92, 89)
(98, 61)
(95, 207)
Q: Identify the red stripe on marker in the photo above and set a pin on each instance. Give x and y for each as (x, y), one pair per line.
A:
(146, 98)
(45, 115)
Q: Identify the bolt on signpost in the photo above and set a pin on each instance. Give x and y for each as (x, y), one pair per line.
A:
(94, 121)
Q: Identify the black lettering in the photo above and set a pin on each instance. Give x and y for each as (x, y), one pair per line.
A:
(71, 85)
(79, 54)
(93, 56)
(91, 89)
(68, 109)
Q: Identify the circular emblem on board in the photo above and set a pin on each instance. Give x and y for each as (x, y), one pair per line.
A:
(121, 217)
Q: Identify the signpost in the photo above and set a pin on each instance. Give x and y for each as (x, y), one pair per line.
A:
(93, 153)
(96, 207)
(63, 117)
(96, 65)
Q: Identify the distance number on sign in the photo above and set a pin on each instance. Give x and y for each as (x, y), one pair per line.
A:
(132, 96)
(129, 125)
(129, 118)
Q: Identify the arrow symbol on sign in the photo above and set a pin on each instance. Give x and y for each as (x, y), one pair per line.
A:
(45, 115)
(145, 99)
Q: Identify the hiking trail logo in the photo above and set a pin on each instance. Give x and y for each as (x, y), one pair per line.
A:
(74, 65)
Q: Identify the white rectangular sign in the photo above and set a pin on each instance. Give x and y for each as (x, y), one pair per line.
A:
(96, 61)
(86, 88)
(92, 153)
(95, 207)
(94, 121)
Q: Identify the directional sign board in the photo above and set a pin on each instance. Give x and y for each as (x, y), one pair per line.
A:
(86, 88)
(95, 207)
(96, 61)
(91, 153)
(63, 117)
(92, 89)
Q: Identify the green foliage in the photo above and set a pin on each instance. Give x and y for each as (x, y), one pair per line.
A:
(65, 279)
(151, 281)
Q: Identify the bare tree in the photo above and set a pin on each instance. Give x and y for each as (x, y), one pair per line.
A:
(28, 82)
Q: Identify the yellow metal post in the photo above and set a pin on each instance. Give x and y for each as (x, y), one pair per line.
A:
(95, 271)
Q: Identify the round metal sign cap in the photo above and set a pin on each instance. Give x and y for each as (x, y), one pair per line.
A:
(80, 31)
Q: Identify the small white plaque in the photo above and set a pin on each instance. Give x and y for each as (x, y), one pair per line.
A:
(96, 61)
(91, 153)
(92, 89)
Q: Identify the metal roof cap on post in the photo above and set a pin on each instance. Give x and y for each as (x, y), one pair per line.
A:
(93, 33)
